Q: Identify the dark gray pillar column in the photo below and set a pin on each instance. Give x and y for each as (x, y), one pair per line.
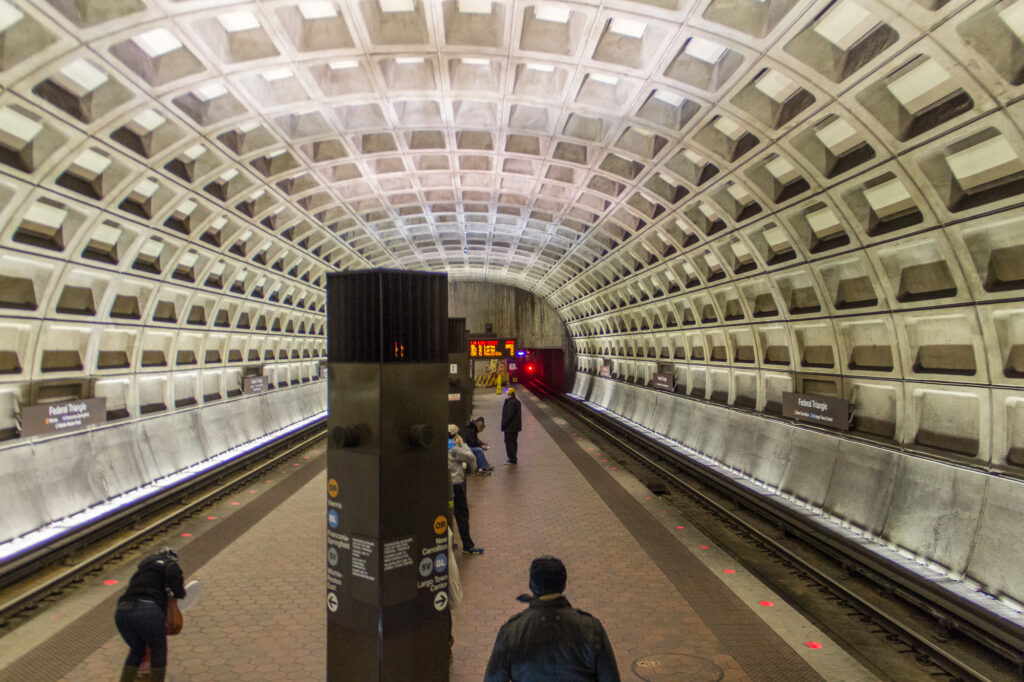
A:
(387, 488)
(460, 387)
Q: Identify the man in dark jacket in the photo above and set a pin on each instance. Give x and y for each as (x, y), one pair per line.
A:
(551, 640)
(511, 425)
(471, 436)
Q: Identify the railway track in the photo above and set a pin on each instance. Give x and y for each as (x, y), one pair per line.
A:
(866, 602)
(34, 576)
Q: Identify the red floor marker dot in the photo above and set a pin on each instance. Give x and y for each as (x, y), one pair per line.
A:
(615, 467)
(663, 511)
(766, 603)
(703, 546)
(729, 570)
(211, 518)
(812, 645)
(253, 492)
(295, 464)
(306, 457)
(110, 582)
(604, 460)
(648, 497)
(680, 527)
(186, 535)
(235, 504)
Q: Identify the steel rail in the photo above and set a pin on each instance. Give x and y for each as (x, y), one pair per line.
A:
(1002, 638)
(26, 579)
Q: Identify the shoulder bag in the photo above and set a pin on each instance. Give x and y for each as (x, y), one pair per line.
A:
(174, 620)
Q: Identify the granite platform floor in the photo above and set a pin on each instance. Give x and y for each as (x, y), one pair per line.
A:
(675, 606)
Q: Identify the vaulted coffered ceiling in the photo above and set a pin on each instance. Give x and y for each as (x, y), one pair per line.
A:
(797, 179)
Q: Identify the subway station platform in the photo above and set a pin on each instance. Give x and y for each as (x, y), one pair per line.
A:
(675, 606)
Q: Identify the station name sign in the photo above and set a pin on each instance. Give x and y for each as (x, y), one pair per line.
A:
(254, 385)
(817, 409)
(492, 348)
(72, 415)
(662, 381)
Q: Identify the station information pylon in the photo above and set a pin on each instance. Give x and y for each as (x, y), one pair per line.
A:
(387, 477)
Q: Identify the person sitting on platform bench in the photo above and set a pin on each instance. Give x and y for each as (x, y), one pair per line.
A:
(471, 434)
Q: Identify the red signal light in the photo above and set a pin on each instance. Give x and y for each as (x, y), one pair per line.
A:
(529, 369)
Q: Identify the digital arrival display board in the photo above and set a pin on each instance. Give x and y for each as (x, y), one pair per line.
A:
(492, 348)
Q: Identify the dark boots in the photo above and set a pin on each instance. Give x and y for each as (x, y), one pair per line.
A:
(128, 673)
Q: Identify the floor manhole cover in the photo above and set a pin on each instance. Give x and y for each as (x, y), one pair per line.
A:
(675, 667)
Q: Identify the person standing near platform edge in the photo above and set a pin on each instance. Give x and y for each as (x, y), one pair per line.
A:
(511, 425)
(551, 640)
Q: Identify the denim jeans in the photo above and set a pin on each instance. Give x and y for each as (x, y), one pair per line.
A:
(142, 624)
(481, 459)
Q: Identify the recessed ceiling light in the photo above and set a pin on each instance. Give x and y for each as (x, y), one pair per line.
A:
(89, 165)
(693, 157)
(233, 22)
(146, 122)
(1013, 16)
(776, 86)
(475, 6)
(669, 97)
(728, 127)
(194, 152)
(408, 60)
(397, 5)
(317, 10)
(922, 86)
(781, 169)
(211, 91)
(984, 163)
(839, 136)
(342, 64)
(16, 129)
(889, 198)
(556, 13)
(9, 15)
(628, 28)
(704, 50)
(157, 42)
(277, 74)
(846, 24)
(476, 61)
(546, 68)
(604, 78)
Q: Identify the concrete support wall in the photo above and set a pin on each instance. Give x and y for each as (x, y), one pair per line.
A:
(965, 520)
(46, 480)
